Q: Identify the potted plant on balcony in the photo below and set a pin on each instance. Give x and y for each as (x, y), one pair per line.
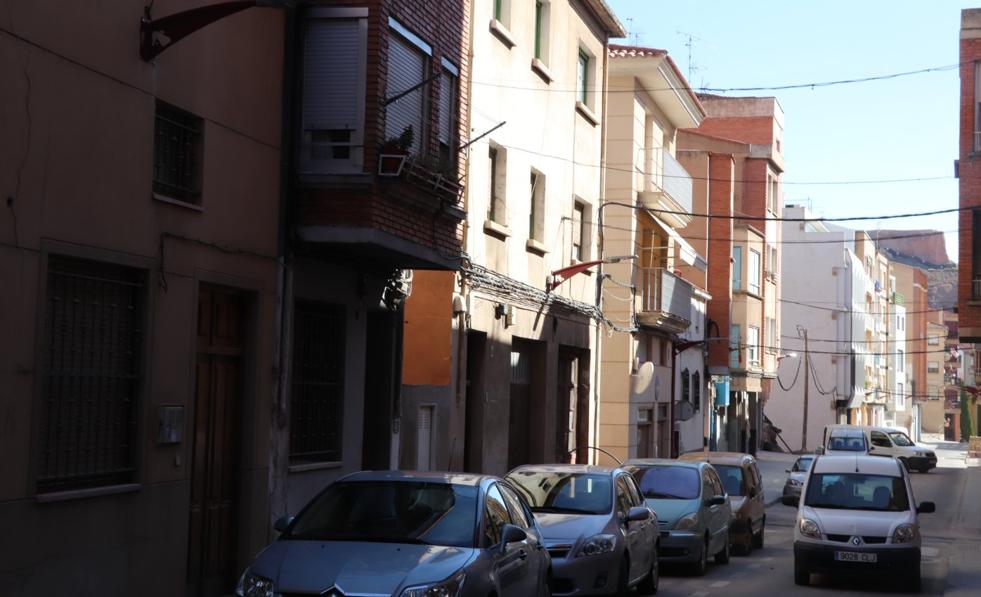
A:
(393, 152)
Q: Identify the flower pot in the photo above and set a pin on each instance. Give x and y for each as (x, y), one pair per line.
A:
(390, 164)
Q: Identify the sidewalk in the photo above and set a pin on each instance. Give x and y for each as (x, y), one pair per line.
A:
(949, 454)
(773, 468)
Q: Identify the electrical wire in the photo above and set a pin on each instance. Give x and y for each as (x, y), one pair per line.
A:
(792, 383)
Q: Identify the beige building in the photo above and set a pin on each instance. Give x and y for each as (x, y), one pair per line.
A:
(877, 307)
(533, 199)
(932, 420)
(645, 364)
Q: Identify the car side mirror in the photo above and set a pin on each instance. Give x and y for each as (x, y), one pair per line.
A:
(638, 514)
(717, 500)
(283, 523)
(789, 500)
(819, 450)
(926, 508)
(786, 470)
(512, 534)
(752, 492)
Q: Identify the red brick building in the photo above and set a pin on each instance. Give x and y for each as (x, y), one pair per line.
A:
(969, 173)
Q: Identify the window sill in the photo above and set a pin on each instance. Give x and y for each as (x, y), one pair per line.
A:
(502, 33)
(586, 113)
(78, 494)
(165, 199)
(496, 229)
(314, 466)
(541, 70)
(535, 246)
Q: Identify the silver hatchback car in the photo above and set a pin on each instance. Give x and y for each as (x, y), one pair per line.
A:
(407, 535)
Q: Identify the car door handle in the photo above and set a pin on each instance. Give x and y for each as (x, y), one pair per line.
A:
(522, 554)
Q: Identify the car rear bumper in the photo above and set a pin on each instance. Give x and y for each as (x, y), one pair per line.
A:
(821, 559)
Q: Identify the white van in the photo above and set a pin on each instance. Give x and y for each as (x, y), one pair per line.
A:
(857, 515)
(878, 441)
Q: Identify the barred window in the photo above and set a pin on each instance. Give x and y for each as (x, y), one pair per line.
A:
(93, 330)
(177, 154)
(316, 413)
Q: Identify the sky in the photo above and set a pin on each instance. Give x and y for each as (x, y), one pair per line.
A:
(900, 128)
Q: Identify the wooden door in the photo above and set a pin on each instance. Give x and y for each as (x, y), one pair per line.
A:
(214, 464)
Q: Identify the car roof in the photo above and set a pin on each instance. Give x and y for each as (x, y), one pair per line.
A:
(857, 463)
(847, 431)
(420, 476)
(566, 468)
(728, 458)
(664, 462)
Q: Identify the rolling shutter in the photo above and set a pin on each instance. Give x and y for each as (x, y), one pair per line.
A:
(406, 69)
(447, 102)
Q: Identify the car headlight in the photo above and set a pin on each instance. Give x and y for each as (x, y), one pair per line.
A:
(794, 483)
(596, 545)
(251, 585)
(904, 533)
(687, 522)
(809, 528)
(450, 587)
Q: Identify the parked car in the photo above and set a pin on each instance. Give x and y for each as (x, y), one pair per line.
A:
(858, 516)
(795, 479)
(693, 509)
(600, 535)
(744, 485)
(406, 534)
(879, 441)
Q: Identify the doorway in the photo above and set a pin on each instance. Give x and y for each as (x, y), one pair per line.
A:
(382, 386)
(212, 536)
(473, 415)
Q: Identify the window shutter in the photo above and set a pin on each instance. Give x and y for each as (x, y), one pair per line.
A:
(424, 437)
(447, 93)
(406, 69)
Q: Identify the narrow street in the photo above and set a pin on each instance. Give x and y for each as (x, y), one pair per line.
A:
(951, 548)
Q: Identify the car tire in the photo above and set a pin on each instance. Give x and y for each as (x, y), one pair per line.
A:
(757, 541)
(802, 576)
(649, 585)
(701, 566)
(914, 582)
(723, 556)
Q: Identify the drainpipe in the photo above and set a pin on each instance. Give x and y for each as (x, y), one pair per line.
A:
(596, 362)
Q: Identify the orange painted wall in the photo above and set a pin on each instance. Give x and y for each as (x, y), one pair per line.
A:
(427, 358)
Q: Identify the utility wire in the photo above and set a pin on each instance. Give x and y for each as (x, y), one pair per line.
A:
(793, 383)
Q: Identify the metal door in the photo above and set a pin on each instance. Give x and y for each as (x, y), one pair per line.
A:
(214, 463)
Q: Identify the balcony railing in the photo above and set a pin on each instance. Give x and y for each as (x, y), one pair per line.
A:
(665, 300)
(676, 181)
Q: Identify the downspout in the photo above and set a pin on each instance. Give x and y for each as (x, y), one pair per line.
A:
(279, 413)
(596, 361)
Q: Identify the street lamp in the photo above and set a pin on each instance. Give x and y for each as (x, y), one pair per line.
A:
(789, 355)
(564, 273)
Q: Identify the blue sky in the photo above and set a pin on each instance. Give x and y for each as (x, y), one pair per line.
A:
(882, 130)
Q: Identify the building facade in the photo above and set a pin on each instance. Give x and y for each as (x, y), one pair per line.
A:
(969, 175)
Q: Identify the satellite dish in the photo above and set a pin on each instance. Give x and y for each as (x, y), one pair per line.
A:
(642, 379)
(684, 410)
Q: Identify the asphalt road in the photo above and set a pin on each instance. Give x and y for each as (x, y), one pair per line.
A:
(951, 551)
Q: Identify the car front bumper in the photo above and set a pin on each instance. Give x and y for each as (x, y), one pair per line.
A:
(586, 575)
(820, 558)
(922, 462)
(680, 546)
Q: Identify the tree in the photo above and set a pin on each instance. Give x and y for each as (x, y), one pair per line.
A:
(967, 422)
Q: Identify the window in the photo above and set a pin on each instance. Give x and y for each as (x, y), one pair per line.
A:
(901, 361)
(976, 249)
(408, 67)
(317, 402)
(685, 386)
(933, 340)
(541, 30)
(645, 433)
(331, 135)
(771, 335)
(582, 77)
(536, 215)
(737, 268)
(753, 345)
(90, 374)
(771, 267)
(519, 513)
(933, 367)
(578, 231)
(502, 11)
(754, 271)
(448, 132)
(734, 348)
(497, 165)
(177, 154)
(772, 193)
(900, 395)
(496, 515)
(977, 106)
(696, 384)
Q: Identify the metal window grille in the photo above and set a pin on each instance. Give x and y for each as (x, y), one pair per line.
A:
(316, 411)
(177, 154)
(93, 330)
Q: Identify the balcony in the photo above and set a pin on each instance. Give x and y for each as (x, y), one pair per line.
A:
(668, 188)
(665, 301)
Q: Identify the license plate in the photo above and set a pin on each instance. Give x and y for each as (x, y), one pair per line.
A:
(854, 556)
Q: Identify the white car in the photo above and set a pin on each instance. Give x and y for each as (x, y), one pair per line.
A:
(857, 515)
(878, 441)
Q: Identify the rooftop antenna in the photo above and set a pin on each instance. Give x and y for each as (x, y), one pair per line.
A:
(632, 35)
(690, 40)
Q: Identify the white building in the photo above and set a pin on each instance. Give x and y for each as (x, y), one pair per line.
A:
(899, 404)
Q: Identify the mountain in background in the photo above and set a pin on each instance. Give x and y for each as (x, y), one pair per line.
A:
(926, 250)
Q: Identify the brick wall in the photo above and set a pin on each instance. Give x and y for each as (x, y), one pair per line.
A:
(721, 176)
(753, 195)
(748, 129)
(969, 184)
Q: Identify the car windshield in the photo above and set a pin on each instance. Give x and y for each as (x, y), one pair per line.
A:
(802, 465)
(732, 478)
(901, 439)
(390, 512)
(668, 482)
(850, 442)
(567, 493)
(856, 491)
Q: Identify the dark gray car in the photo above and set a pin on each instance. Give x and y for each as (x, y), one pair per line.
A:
(408, 535)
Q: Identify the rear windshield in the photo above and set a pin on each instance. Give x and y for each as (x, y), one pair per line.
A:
(847, 442)
(561, 492)
(802, 464)
(856, 491)
(732, 478)
(668, 482)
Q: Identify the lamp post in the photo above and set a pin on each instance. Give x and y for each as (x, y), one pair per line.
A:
(562, 274)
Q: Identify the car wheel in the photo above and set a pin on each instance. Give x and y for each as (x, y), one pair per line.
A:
(914, 582)
(701, 566)
(802, 576)
(924, 469)
(758, 537)
(723, 556)
(623, 578)
(648, 586)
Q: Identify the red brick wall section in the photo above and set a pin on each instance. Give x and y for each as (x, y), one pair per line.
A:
(753, 195)
(969, 184)
(748, 129)
(721, 175)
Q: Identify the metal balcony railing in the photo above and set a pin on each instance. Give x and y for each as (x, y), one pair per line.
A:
(666, 295)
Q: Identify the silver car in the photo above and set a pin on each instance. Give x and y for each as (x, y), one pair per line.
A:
(601, 536)
(795, 479)
(408, 535)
